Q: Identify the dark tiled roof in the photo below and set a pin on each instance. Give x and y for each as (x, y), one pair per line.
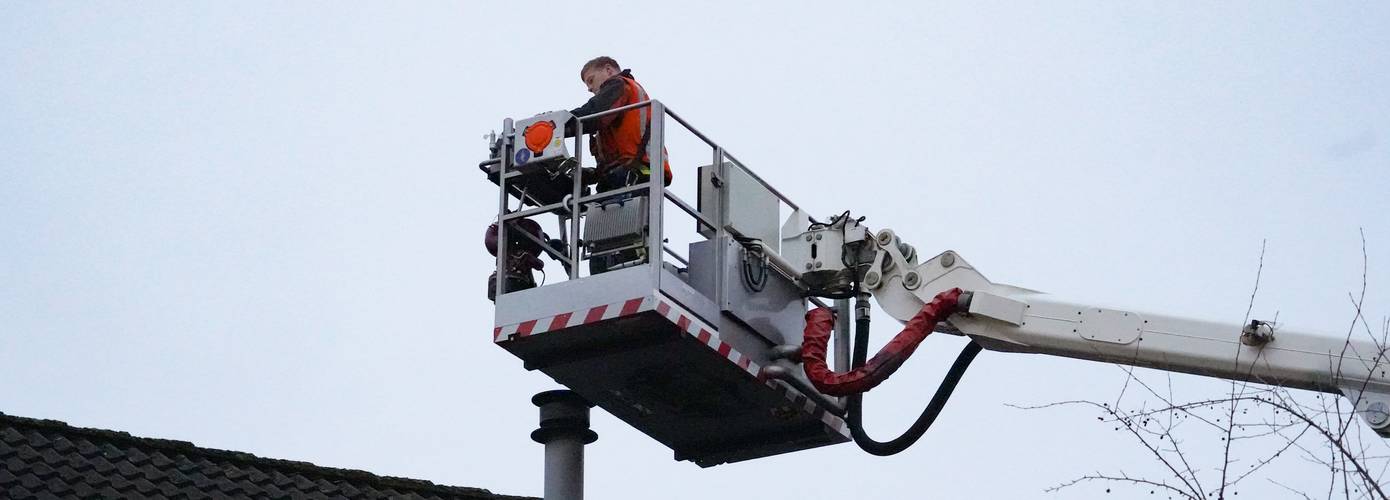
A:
(44, 459)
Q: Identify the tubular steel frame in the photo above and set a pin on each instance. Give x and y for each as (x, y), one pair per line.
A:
(571, 209)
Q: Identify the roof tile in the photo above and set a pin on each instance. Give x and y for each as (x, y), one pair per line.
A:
(112, 452)
(167, 489)
(127, 470)
(86, 448)
(42, 470)
(102, 467)
(56, 484)
(52, 457)
(11, 435)
(62, 444)
(159, 460)
(84, 490)
(36, 439)
(135, 456)
(30, 481)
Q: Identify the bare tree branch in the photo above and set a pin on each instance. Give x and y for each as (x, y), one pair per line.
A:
(1122, 478)
(1267, 421)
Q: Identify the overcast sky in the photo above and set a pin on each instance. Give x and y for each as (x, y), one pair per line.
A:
(257, 226)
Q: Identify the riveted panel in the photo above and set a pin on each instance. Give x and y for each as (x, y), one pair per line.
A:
(1109, 325)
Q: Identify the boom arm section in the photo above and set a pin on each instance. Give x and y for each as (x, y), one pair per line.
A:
(1012, 319)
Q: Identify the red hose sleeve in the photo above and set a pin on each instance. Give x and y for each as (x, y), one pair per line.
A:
(820, 321)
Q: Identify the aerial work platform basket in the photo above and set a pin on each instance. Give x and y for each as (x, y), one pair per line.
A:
(676, 346)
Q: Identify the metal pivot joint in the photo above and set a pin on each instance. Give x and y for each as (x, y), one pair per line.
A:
(564, 430)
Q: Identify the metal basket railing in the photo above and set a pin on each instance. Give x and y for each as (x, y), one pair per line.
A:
(571, 209)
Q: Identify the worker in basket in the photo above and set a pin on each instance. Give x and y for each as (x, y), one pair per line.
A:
(620, 140)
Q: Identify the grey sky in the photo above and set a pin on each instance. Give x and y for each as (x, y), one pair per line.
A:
(257, 226)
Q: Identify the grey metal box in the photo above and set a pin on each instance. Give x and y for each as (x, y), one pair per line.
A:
(753, 209)
(615, 223)
(776, 313)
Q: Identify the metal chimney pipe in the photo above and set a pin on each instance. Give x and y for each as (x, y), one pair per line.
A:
(564, 430)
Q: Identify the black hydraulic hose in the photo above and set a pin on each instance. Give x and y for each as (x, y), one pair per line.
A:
(924, 421)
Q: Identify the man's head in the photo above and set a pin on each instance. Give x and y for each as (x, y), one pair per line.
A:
(597, 71)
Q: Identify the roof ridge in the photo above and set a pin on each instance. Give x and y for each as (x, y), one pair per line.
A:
(302, 467)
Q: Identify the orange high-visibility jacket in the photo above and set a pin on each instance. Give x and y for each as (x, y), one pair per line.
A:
(623, 137)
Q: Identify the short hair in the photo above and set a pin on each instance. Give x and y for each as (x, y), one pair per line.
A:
(598, 63)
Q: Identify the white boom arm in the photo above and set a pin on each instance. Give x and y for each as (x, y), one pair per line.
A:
(1008, 318)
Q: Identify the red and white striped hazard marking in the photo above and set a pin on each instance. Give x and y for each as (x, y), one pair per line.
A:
(710, 338)
(687, 323)
(683, 320)
(572, 319)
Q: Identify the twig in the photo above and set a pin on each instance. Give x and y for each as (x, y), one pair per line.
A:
(1121, 478)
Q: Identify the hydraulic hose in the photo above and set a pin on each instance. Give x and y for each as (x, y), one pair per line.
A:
(865, 376)
(855, 416)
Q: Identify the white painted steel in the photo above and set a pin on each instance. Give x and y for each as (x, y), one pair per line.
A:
(1056, 326)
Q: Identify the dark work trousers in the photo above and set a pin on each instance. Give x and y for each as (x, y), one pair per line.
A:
(619, 177)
